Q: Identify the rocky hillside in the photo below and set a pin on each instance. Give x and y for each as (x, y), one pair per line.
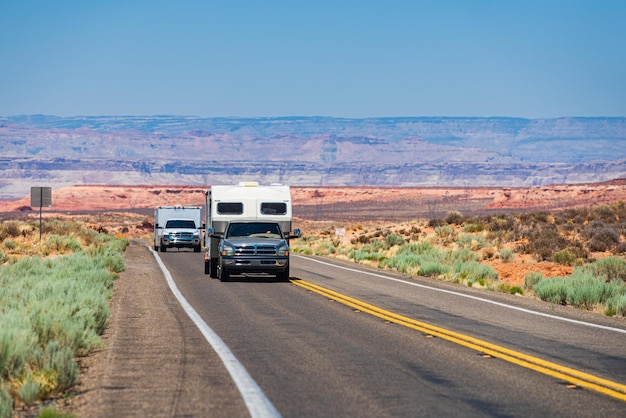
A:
(308, 151)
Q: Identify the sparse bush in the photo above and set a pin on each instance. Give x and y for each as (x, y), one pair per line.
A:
(446, 234)
(610, 268)
(564, 257)
(433, 223)
(616, 305)
(553, 290)
(29, 390)
(473, 227)
(393, 239)
(6, 403)
(506, 255)
(432, 268)
(513, 290)
(62, 244)
(454, 217)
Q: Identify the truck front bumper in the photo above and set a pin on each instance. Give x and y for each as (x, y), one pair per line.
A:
(181, 242)
(255, 265)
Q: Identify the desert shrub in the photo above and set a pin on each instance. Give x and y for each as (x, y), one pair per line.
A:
(9, 244)
(513, 290)
(584, 289)
(564, 257)
(3, 257)
(29, 390)
(609, 268)
(62, 360)
(544, 241)
(11, 229)
(463, 255)
(432, 268)
(603, 239)
(472, 242)
(506, 254)
(616, 305)
(620, 248)
(6, 403)
(473, 271)
(393, 239)
(605, 213)
(326, 248)
(473, 227)
(553, 290)
(454, 217)
(433, 223)
(446, 234)
(501, 223)
(62, 244)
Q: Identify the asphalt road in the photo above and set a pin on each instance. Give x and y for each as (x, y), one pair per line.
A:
(313, 356)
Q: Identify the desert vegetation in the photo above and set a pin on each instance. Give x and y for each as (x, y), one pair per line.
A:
(54, 305)
(588, 243)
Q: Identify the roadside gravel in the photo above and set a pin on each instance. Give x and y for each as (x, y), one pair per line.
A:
(155, 361)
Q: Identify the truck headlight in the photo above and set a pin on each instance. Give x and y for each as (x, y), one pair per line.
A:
(283, 251)
(227, 251)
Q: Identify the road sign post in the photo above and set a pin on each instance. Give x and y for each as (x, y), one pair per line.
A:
(40, 196)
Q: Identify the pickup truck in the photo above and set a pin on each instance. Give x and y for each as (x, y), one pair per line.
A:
(254, 247)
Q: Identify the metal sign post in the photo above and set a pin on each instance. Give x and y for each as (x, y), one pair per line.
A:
(40, 196)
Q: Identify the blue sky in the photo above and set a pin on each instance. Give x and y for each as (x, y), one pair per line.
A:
(341, 58)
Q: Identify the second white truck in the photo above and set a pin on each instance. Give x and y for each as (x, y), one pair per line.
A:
(178, 227)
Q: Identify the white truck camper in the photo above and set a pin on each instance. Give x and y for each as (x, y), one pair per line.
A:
(178, 227)
(252, 207)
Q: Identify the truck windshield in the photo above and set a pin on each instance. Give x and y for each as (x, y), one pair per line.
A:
(259, 230)
(180, 223)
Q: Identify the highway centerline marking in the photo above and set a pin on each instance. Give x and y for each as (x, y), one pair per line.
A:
(598, 384)
(451, 292)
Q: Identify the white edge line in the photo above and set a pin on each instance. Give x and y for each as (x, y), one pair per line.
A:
(504, 305)
(257, 403)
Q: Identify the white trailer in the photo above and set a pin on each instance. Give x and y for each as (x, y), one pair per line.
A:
(178, 227)
(246, 201)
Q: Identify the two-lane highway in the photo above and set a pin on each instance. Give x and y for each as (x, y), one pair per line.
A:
(312, 355)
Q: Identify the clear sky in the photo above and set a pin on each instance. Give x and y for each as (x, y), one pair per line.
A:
(341, 58)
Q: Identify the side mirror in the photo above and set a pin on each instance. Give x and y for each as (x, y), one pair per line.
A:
(296, 234)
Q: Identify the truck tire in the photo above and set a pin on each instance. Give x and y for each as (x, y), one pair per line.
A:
(283, 276)
(207, 267)
(163, 248)
(213, 268)
(197, 249)
(222, 274)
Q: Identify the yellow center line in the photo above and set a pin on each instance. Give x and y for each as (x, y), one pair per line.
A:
(567, 374)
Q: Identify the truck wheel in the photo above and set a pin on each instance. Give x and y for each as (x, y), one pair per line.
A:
(196, 249)
(283, 276)
(156, 248)
(163, 248)
(222, 274)
(207, 267)
(213, 272)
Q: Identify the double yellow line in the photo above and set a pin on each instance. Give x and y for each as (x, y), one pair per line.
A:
(566, 374)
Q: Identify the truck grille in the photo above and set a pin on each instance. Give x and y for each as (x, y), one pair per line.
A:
(256, 250)
(181, 235)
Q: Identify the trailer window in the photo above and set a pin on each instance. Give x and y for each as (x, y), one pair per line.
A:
(274, 208)
(226, 208)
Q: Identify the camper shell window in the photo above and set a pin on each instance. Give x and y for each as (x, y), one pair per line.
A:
(230, 208)
(268, 208)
